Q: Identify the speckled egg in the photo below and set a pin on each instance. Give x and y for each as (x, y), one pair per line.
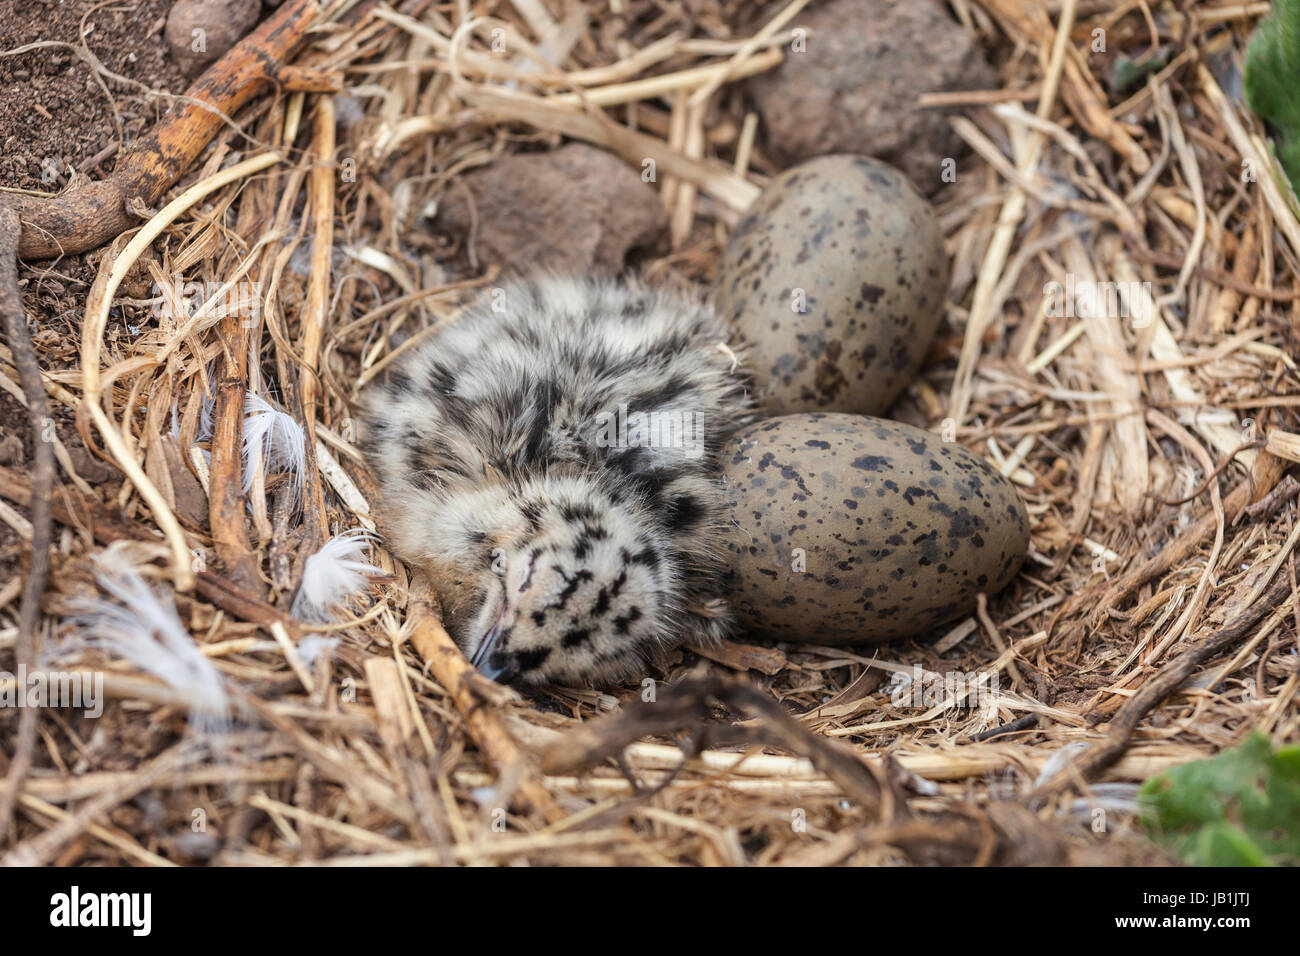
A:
(847, 529)
(834, 281)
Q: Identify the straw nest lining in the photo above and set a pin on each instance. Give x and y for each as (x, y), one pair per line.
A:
(1151, 447)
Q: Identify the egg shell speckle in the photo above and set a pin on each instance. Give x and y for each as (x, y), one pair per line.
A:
(896, 531)
(854, 239)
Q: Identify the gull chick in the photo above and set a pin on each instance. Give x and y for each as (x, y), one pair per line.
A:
(549, 458)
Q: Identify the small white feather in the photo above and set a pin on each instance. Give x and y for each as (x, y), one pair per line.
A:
(1059, 760)
(140, 626)
(332, 575)
(208, 409)
(272, 436)
(314, 645)
(1110, 797)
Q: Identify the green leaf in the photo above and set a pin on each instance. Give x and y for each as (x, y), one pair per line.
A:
(1129, 71)
(1241, 808)
(1272, 77)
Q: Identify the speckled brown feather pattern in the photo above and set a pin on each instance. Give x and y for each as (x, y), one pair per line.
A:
(582, 549)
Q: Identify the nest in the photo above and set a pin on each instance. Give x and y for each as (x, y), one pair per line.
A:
(1155, 621)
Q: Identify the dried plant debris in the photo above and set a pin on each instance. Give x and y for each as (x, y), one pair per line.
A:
(209, 289)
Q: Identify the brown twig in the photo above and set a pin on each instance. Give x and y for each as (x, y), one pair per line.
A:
(71, 508)
(91, 214)
(1218, 277)
(688, 705)
(1268, 472)
(226, 495)
(38, 567)
(1219, 469)
(41, 848)
(320, 185)
(226, 499)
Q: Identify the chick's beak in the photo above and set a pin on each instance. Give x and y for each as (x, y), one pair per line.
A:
(486, 645)
(486, 661)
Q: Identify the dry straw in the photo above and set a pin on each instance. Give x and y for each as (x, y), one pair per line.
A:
(369, 740)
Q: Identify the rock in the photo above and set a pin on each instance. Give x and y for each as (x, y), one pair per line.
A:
(191, 500)
(91, 469)
(12, 451)
(198, 847)
(573, 209)
(201, 31)
(854, 89)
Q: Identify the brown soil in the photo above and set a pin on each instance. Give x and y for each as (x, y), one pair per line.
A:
(56, 115)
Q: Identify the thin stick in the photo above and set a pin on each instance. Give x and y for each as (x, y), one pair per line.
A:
(1172, 676)
(711, 177)
(654, 87)
(113, 837)
(321, 190)
(1265, 170)
(41, 848)
(226, 481)
(38, 567)
(701, 96)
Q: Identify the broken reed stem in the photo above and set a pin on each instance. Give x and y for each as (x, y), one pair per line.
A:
(710, 176)
(686, 707)
(654, 87)
(1187, 621)
(1267, 473)
(449, 666)
(40, 849)
(38, 565)
(79, 512)
(1013, 210)
(1266, 171)
(321, 199)
(226, 480)
(320, 186)
(701, 96)
(106, 835)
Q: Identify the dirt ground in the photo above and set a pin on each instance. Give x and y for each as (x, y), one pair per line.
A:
(57, 118)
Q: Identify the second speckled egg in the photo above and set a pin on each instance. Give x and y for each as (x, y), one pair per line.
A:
(835, 280)
(847, 529)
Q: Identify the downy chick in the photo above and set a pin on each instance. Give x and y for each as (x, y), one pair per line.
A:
(550, 459)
